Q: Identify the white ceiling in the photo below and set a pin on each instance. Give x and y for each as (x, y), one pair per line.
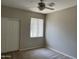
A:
(32, 4)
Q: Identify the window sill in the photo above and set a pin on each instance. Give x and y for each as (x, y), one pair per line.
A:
(35, 37)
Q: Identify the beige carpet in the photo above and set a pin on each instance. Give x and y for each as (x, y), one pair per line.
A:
(41, 53)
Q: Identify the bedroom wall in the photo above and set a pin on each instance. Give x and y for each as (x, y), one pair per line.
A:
(61, 31)
(25, 41)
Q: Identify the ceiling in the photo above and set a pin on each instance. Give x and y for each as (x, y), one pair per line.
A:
(32, 4)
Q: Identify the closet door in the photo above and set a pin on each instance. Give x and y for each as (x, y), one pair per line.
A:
(10, 34)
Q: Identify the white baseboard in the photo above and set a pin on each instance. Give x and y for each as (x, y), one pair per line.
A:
(29, 48)
(61, 53)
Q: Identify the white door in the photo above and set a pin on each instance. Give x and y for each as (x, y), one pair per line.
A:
(9, 34)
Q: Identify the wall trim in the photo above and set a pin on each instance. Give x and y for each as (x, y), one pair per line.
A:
(26, 49)
(62, 53)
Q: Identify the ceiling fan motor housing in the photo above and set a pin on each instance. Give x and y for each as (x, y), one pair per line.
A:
(41, 6)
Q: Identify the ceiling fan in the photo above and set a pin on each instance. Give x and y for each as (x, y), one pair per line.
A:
(42, 5)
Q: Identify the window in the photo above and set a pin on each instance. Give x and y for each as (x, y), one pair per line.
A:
(36, 27)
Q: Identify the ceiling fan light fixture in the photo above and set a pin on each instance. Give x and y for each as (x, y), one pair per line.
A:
(41, 6)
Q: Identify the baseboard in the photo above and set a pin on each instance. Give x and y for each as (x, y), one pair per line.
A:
(26, 49)
(62, 53)
(9, 52)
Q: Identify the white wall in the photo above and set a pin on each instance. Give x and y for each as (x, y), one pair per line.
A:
(61, 31)
(25, 16)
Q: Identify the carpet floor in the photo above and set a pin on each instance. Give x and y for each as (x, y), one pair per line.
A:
(42, 53)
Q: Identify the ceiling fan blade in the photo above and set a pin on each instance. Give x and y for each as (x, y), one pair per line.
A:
(49, 8)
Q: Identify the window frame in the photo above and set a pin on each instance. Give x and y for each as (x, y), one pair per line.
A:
(42, 29)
